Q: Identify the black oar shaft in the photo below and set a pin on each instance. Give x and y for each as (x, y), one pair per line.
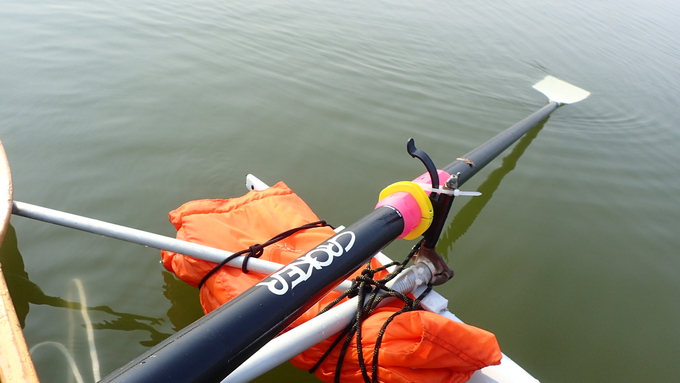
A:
(215, 345)
(477, 159)
(212, 347)
(485, 153)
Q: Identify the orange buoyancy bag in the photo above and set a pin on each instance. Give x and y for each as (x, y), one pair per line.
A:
(417, 346)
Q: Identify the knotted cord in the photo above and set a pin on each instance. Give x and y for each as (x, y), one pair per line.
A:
(368, 290)
(257, 250)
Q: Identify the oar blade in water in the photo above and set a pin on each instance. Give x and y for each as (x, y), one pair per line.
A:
(560, 91)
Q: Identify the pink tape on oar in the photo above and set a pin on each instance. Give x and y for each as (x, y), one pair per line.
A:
(412, 203)
(407, 206)
(426, 179)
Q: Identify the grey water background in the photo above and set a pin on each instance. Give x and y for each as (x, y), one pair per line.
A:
(122, 111)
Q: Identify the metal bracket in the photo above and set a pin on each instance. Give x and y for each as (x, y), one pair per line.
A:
(441, 272)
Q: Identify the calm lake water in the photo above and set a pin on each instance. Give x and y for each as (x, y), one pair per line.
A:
(122, 111)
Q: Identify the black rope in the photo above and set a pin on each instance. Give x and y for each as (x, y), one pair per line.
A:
(414, 305)
(367, 289)
(257, 250)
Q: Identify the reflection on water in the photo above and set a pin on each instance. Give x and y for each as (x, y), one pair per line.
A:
(24, 292)
(467, 214)
(181, 313)
(185, 306)
(21, 289)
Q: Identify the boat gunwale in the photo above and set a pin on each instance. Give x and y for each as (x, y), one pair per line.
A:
(16, 364)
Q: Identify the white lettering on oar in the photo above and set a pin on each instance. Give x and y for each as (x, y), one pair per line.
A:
(301, 269)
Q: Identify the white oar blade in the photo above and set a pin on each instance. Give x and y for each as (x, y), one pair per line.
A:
(560, 91)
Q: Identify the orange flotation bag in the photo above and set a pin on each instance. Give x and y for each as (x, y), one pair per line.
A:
(418, 346)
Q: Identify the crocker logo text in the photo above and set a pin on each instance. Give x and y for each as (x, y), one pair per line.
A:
(302, 268)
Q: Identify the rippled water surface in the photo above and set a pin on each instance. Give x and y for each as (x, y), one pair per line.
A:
(122, 111)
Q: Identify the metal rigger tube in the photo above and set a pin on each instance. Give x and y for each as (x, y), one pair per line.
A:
(319, 328)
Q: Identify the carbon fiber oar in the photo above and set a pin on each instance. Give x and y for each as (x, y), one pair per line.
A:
(212, 347)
